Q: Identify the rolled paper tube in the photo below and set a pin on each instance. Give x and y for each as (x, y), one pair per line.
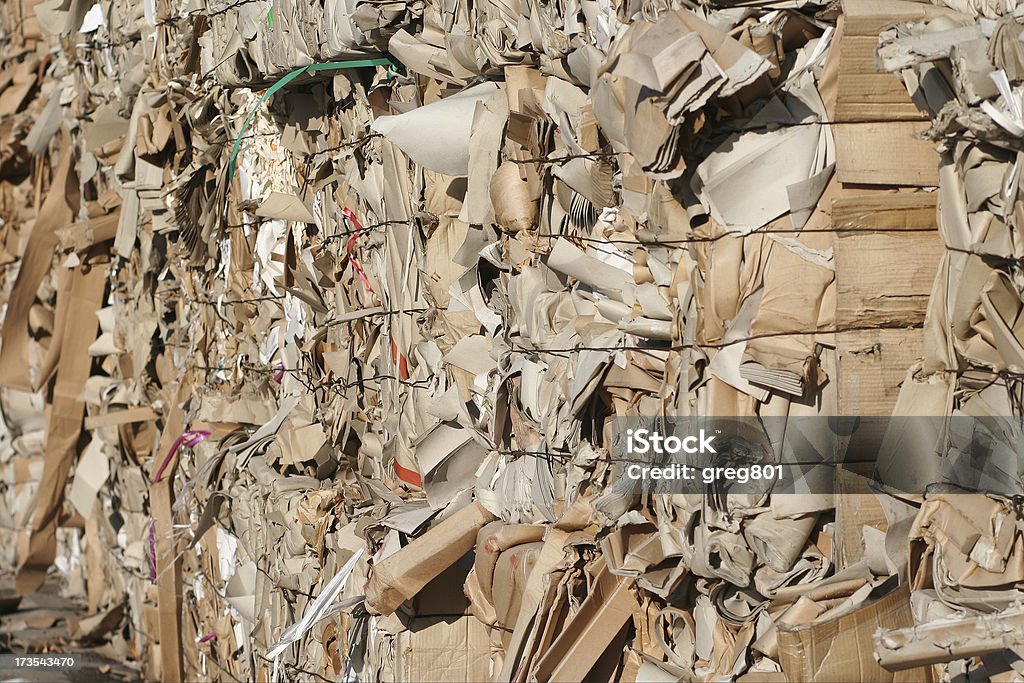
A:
(404, 574)
(492, 540)
(515, 207)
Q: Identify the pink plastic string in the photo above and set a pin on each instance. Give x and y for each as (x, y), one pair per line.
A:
(189, 438)
(352, 245)
(152, 551)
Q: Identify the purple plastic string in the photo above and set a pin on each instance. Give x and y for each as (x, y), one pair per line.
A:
(208, 637)
(189, 438)
(152, 551)
(280, 373)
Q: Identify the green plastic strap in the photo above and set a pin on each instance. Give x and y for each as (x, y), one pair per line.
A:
(288, 78)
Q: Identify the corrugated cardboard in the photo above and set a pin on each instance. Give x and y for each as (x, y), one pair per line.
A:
(872, 364)
(400, 385)
(885, 275)
(842, 649)
(163, 554)
(877, 144)
(453, 649)
(85, 292)
(887, 259)
(403, 574)
(588, 633)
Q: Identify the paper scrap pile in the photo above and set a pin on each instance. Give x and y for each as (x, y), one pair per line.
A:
(318, 319)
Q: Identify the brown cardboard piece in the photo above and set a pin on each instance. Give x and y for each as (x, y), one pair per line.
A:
(570, 278)
(957, 638)
(856, 508)
(401, 575)
(872, 367)
(842, 649)
(455, 649)
(168, 561)
(887, 257)
(588, 634)
(57, 210)
(64, 425)
(876, 142)
(884, 275)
